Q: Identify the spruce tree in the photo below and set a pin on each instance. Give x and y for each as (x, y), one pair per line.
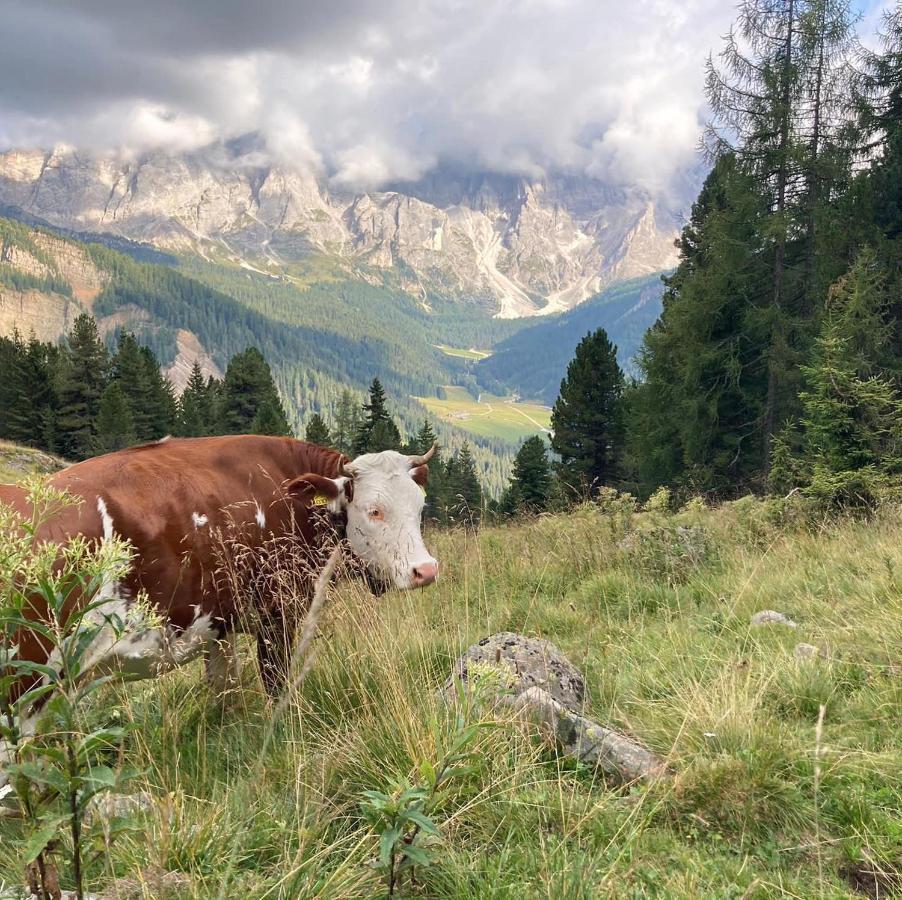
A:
(249, 400)
(851, 424)
(317, 431)
(777, 96)
(587, 417)
(530, 484)
(115, 426)
(160, 412)
(84, 376)
(31, 382)
(436, 490)
(695, 417)
(464, 491)
(378, 431)
(345, 423)
(150, 397)
(195, 414)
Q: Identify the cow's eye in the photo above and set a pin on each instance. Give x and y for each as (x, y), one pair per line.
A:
(377, 515)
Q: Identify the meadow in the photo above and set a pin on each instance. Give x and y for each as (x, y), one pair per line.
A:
(654, 607)
(489, 416)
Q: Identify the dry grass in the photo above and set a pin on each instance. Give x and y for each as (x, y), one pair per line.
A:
(669, 656)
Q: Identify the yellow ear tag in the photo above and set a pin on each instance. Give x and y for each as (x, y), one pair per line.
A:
(320, 499)
(423, 489)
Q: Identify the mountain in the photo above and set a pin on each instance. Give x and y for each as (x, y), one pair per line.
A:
(509, 246)
(533, 361)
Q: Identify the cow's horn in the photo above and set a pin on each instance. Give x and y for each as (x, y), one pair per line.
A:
(422, 460)
(343, 470)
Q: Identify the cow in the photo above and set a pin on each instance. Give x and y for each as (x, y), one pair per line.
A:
(174, 499)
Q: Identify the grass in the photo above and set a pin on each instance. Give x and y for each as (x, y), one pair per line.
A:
(16, 462)
(489, 416)
(669, 656)
(460, 353)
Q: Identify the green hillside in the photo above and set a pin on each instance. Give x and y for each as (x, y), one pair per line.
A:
(533, 361)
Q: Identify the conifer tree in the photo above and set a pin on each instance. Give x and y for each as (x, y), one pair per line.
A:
(195, 416)
(346, 423)
(436, 490)
(85, 368)
(249, 400)
(530, 484)
(587, 418)
(31, 382)
(150, 397)
(317, 431)
(851, 425)
(464, 491)
(115, 426)
(378, 431)
(777, 97)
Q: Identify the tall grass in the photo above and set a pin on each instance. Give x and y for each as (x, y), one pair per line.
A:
(669, 656)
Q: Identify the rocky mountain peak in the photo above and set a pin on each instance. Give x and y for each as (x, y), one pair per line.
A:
(516, 246)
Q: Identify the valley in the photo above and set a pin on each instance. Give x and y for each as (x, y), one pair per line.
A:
(488, 416)
(322, 330)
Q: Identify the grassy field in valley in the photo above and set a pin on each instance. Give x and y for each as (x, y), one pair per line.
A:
(461, 353)
(489, 416)
(655, 609)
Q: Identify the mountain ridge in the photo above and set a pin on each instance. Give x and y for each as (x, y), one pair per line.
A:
(511, 246)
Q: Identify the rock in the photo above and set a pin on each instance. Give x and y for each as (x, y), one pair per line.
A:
(803, 652)
(540, 684)
(516, 663)
(772, 617)
(593, 744)
(112, 806)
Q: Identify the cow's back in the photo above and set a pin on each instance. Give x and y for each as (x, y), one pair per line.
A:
(174, 499)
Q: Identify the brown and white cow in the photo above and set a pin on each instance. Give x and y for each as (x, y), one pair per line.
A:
(173, 499)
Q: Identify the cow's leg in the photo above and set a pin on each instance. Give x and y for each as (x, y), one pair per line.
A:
(221, 664)
(275, 636)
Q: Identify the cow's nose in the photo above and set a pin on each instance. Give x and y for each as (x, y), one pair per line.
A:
(424, 574)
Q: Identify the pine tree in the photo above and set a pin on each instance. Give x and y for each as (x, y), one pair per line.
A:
(777, 98)
(32, 392)
(587, 418)
(271, 419)
(377, 432)
(85, 368)
(464, 491)
(436, 491)
(317, 431)
(249, 400)
(530, 484)
(160, 412)
(851, 441)
(195, 416)
(695, 417)
(345, 423)
(115, 426)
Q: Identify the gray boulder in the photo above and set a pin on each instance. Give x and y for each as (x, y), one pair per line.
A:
(542, 686)
(515, 663)
(772, 617)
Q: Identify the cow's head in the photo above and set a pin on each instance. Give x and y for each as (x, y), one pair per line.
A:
(380, 496)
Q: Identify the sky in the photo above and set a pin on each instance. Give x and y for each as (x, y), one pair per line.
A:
(372, 91)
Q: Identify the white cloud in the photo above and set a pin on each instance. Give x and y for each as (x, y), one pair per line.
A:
(369, 91)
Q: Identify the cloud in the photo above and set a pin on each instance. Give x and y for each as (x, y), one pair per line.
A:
(370, 91)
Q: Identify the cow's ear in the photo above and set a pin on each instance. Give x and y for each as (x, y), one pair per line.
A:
(315, 490)
(420, 475)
